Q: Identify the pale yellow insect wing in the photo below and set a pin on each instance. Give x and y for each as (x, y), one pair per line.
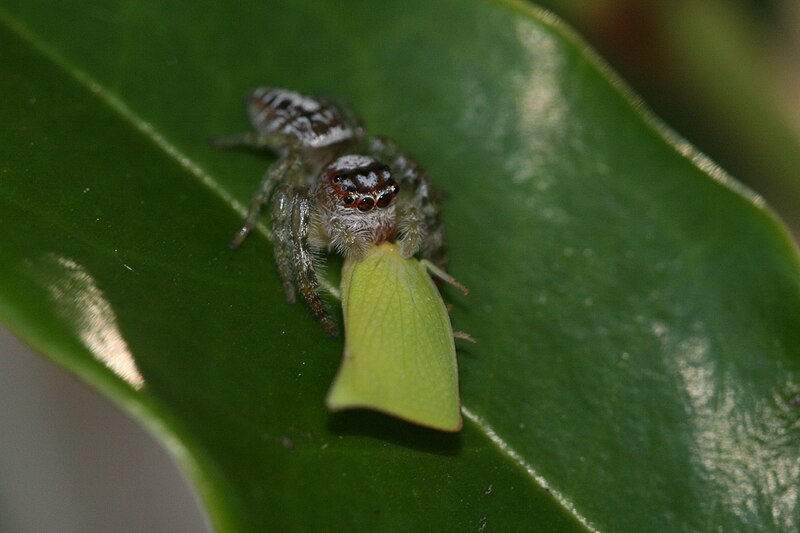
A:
(399, 355)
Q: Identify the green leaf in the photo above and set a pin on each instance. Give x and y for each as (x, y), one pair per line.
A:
(637, 312)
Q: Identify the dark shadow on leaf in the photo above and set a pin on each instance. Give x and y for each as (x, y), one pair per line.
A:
(394, 431)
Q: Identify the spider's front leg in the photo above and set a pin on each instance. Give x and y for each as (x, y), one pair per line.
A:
(303, 258)
(291, 219)
(287, 166)
(419, 220)
(282, 244)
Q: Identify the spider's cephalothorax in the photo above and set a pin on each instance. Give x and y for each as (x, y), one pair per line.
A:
(333, 188)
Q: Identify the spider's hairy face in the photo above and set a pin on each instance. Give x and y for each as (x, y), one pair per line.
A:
(361, 182)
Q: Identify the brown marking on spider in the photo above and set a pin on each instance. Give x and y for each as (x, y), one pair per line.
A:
(333, 188)
(363, 187)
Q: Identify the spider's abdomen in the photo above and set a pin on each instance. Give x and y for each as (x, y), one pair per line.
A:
(315, 124)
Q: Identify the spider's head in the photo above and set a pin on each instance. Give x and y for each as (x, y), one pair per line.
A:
(361, 182)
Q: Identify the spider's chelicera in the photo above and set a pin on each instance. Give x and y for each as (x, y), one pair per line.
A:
(333, 187)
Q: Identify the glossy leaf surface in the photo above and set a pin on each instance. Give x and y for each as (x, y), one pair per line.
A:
(638, 318)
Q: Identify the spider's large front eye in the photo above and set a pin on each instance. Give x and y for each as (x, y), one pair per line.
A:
(366, 204)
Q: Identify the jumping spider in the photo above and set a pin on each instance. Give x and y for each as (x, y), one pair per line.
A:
(333, 188)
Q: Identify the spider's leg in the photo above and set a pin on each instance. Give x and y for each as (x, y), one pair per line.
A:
(435, 246)
(304, 261)
(251, 139)
(282, 205)
(285, 166)
(419, 218)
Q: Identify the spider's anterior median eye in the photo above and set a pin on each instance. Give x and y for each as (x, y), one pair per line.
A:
(366, 204)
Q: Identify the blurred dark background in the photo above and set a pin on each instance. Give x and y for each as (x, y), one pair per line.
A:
(724, 74)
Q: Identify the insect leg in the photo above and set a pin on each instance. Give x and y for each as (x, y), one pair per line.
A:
(304, 262)
(444, 276)
(276, 173)
(282, 206)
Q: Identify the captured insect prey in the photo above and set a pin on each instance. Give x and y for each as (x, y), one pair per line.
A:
(399, 355)
(336, 189)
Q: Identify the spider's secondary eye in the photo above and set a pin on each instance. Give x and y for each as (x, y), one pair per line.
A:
(349, 200)
(366, 204)
(384, 200)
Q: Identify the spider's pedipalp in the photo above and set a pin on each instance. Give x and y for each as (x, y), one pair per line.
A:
(410, 230)
(348, 239)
